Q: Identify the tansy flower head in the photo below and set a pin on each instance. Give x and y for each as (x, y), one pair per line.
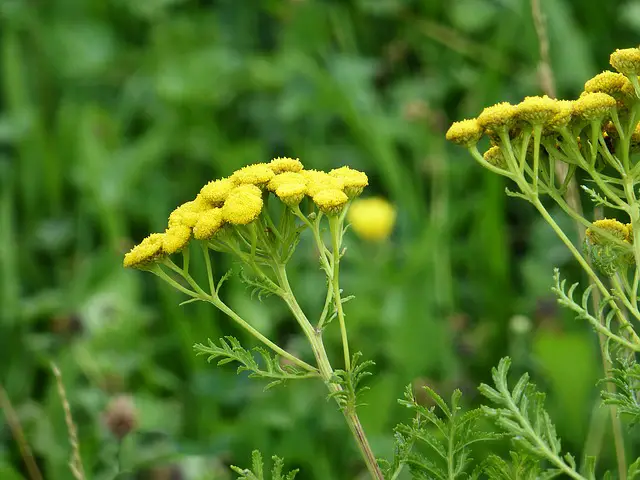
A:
(243, 205)
(175, 238)
(537, 110)
(372, 218)
(284, 164)
(318, 181)
(465, 132)
(217, 191)
(187, 213)
(330, 201)
(258, 174)
(286, 177)
(495, 157)
(354, 180)
(626, 61)
(593, 106)
(291, 193)
(613, 227)
(209, 223)
(611, 83)
(146, 252)
(561, 118)
(496, 117)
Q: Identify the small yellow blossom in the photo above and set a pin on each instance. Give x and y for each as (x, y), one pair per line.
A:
(561, 118)
(626, 61)
(330, 201)
(187, 213)
(495, 157)
(209, 223)
(285, 164)
(318, 181)
(286, 177)
(465, 132)
(537, 110)
(243, 205)
(629, 238)
(372, 218)
(613, 227)
(258, 174)
(354, 180)
(611, 83)
(496, 117)
(175, 239)
(593, 106)
(145, 252)
(217, 191)
(291, 193)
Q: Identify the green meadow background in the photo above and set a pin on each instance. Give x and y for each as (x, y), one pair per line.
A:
(112, 112)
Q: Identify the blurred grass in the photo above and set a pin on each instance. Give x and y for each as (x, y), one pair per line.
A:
(113, 112)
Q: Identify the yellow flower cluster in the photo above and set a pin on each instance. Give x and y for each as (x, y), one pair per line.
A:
(605, 95)
(239, 200)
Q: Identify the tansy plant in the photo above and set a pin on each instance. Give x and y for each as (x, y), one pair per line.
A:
(542, 145)
(257, 215)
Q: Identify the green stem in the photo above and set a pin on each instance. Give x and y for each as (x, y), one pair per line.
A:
(335, 225)
(326, 372)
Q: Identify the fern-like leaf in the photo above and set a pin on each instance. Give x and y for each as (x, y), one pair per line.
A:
(447, 435)
(349, 381)
(626, 378)
(257, 469)
(521, 415)
(229, 350)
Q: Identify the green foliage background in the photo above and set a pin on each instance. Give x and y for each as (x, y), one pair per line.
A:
(112, 112)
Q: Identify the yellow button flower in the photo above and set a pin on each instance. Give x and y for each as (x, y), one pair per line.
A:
(217, 191)
(613, 227)
(537, 110)
(175, 239)
(611, 83)
(258, 174)
(354, 180)
(284, 164)
(626, 60)
(465, 132)
(495, 117)
(243, 205)
(593, 106)
(146, 252)
(330, 201)
(495, 157)
(291, 193)
(209, 223)
(372, 219)
(286, 177)
(561, 118)
(187, 213)
(318, 181)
